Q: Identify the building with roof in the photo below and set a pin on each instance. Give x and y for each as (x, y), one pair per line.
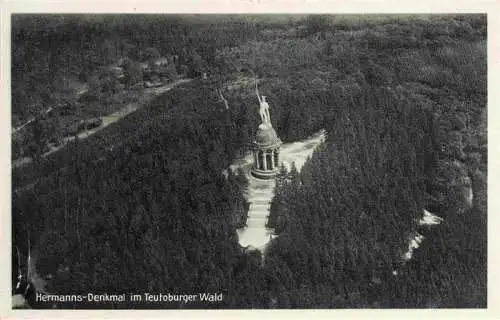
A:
(266, 150)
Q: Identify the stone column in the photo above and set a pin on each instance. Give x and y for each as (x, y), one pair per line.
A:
(273, 165)
(264, 160)
(270, 154)
(276, 157)
(256, 159)
(262, 163)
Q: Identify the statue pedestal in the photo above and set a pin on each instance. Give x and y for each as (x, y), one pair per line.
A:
(266, 152)
(265, 126)
(264, 174)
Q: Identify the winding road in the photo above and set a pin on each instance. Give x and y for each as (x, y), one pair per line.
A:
(106, 120)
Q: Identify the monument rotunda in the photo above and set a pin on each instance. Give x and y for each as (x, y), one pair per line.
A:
(266, 146)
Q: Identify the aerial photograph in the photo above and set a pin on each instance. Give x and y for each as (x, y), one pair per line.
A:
(248, 161)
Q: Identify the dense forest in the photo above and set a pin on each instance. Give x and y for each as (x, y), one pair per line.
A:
(73, 48)
(98, 63)
(142, 206)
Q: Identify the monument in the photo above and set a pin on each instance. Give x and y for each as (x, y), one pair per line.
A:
(266, 145)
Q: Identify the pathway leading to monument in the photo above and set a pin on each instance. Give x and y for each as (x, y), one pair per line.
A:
(260, 192)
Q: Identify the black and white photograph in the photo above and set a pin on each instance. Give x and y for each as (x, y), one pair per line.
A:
(248, 161)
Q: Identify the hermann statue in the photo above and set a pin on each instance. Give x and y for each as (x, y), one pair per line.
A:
(264, 111)
(266, 145)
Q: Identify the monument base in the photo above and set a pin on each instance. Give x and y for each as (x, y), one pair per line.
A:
(264, 174)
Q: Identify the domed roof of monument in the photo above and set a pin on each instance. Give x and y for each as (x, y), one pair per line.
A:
(266, 136)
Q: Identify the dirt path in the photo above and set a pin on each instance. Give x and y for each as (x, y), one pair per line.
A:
(15, 130)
